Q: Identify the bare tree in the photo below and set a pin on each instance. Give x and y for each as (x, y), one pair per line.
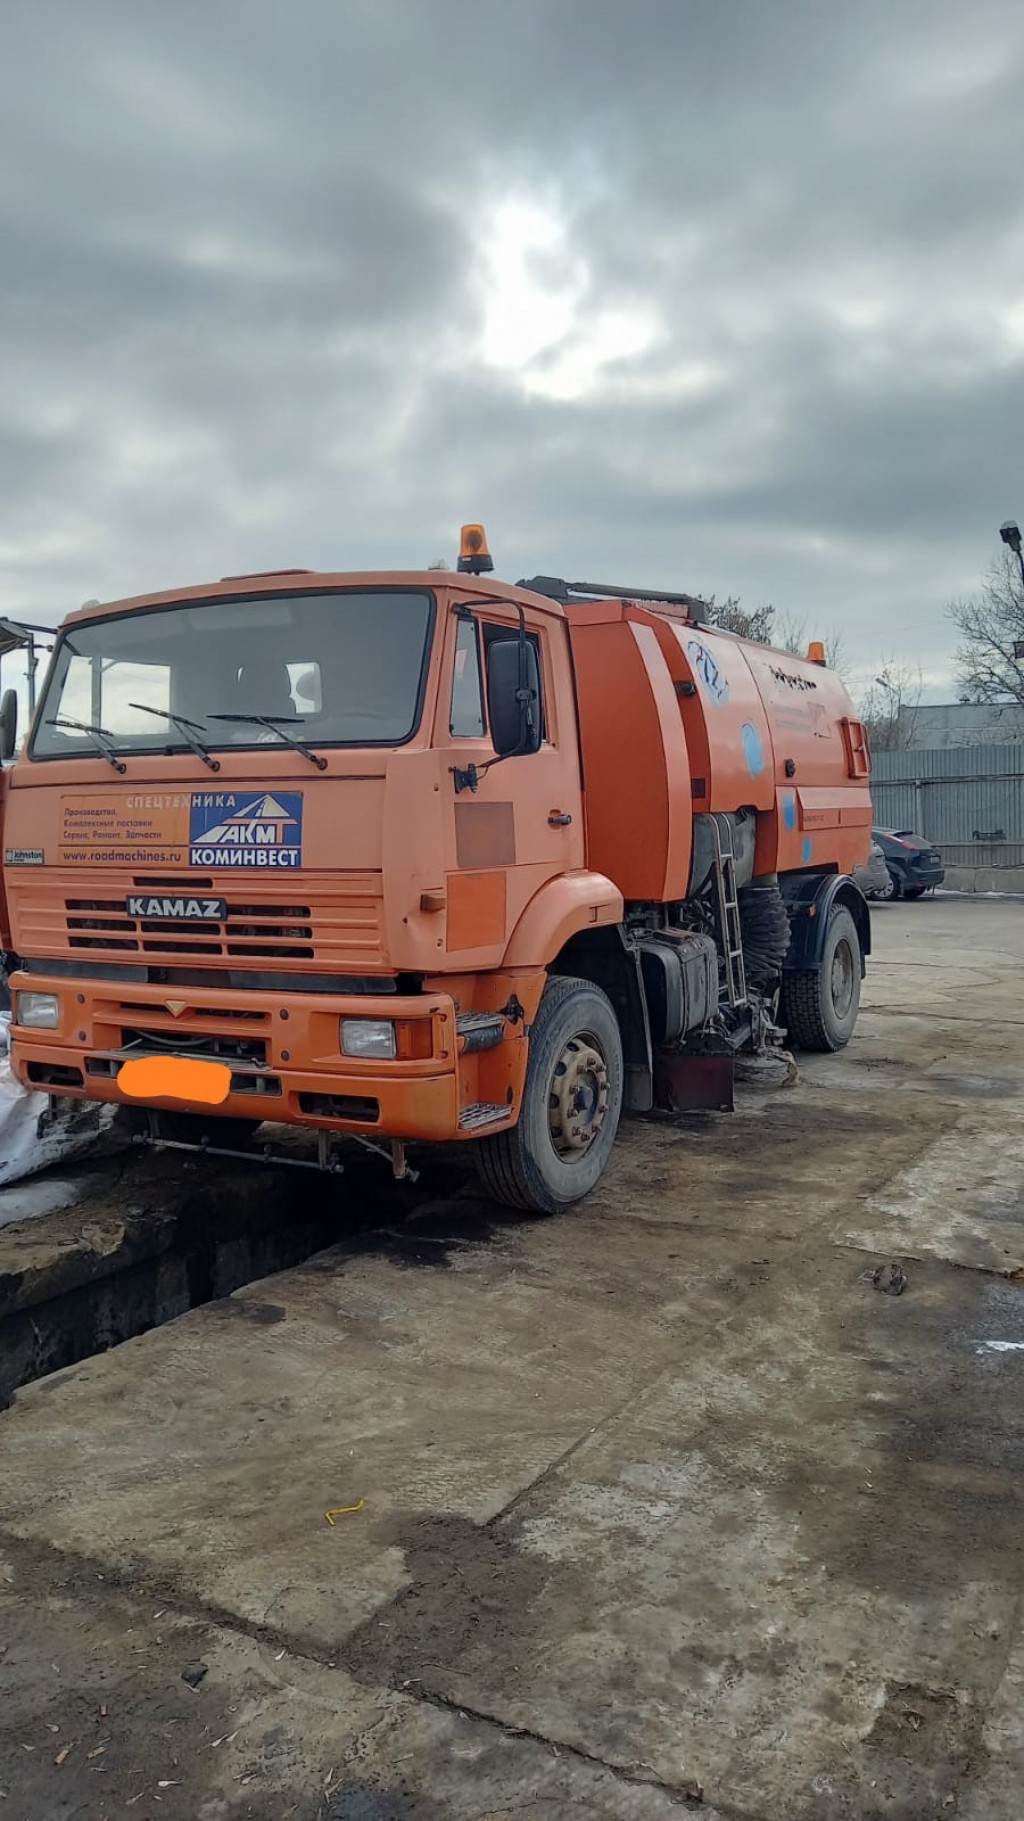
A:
(990, 655)
(734, 618)
(792, 635)
(889, 705)
(784, 634)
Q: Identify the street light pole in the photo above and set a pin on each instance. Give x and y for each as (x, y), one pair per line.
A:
(1010, 534)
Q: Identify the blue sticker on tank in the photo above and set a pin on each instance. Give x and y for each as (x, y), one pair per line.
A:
(753, 751)
(256, 830)
(708, 671)
(807, 849)
(789, 809)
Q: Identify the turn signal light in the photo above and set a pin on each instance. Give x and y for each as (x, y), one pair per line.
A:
(474, 556)
(415, 1039)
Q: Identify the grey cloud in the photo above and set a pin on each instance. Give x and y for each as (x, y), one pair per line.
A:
(242, 292)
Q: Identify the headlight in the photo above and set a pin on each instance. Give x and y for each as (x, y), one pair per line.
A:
(38, 1011)
(368, 1037)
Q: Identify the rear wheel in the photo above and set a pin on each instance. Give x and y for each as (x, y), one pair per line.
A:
(915, 891)
(820, 1005)
(572, 1102)
(897, 886)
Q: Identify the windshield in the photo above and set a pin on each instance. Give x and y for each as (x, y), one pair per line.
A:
(339, 669)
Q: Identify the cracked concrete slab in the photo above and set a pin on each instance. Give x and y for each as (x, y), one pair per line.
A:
(997, 1795)
(664, 1493)
(731, 1534)
(415, 1374)
(266, 1733)
(962, 1199)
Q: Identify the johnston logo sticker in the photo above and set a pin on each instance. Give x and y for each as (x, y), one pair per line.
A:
(227, 828)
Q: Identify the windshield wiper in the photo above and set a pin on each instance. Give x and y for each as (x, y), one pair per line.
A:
(103, 737)
(188, 730)
(276, 723)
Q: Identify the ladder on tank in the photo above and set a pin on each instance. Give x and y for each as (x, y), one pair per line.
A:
(729, 911)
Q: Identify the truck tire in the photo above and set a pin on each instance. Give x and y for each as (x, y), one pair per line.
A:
(572, 1101)
(820, 1005)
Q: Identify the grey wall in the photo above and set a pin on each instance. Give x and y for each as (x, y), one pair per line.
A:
(952, 794)
(936, 724)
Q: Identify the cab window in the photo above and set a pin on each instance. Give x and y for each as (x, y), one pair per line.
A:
(467, 712)
(493, 631)
(106, 691)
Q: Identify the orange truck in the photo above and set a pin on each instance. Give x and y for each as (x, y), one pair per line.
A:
(421, 858)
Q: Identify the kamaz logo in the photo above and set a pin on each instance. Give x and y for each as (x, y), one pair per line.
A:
(178, 910)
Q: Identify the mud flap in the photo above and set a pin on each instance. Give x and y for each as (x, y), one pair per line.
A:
(686, 1084)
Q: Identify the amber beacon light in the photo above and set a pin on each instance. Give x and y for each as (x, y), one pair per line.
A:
(474, 556)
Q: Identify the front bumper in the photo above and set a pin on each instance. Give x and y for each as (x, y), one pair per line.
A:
(282, 1049)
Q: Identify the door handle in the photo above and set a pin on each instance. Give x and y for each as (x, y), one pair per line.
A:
(558, 819)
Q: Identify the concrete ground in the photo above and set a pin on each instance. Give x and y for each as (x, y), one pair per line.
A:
(660, 1508)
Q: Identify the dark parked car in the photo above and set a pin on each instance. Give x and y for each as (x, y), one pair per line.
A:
(914, 865)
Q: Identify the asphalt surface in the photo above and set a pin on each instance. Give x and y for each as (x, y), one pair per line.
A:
(663, 1507)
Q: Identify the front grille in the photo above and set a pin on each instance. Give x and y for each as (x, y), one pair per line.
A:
(248, 929)
(208, 1045)
(328, 924)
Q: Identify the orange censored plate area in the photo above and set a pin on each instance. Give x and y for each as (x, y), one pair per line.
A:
(175, 1078)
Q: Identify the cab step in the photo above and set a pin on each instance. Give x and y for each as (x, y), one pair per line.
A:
(480, 1114)
(480, 1030)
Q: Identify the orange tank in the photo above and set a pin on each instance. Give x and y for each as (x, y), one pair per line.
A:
(678, 719)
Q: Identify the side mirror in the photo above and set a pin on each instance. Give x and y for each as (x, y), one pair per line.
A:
(8, 724)
(515, 722)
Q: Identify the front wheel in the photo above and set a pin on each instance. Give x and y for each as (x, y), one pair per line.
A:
(572, 1102)
(820, 1005)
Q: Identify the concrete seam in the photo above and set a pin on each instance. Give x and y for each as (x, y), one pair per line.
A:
(202, 1612)
(1011, 1275)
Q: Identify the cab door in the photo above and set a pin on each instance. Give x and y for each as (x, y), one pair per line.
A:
(511, 823)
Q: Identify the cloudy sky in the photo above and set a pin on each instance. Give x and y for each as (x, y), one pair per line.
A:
(722, 295)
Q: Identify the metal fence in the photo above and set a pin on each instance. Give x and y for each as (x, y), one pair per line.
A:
(969, 800)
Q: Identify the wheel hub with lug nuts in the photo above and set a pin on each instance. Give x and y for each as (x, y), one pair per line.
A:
(578, 1100)
(842, 979)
